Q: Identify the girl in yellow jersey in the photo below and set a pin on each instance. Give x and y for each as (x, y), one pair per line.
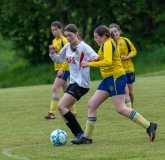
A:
(112, 85)
(62, 71)
(127, 51)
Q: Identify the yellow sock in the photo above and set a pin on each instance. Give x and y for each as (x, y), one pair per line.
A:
(137, 118)
(128, 103)
(73, 109)
(89, 129)
(53, 105)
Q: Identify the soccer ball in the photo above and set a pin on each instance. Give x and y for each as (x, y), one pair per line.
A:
(58, 137)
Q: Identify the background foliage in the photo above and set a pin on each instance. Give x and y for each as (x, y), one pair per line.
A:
(27, 23)
(25, 34)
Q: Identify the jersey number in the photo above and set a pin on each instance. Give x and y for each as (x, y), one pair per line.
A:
(70, 59)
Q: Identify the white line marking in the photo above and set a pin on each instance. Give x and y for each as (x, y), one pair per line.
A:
(7, 153)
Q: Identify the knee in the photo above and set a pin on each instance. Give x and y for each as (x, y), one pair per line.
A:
(59, 107)
(55, 89)
(91, 105)
(120, 110)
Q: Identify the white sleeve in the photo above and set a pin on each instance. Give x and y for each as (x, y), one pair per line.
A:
(91, 54)
(59, 58)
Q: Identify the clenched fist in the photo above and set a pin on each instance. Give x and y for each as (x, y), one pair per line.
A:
(52, 49)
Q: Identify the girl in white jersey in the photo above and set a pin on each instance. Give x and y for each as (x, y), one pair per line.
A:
(73, 53)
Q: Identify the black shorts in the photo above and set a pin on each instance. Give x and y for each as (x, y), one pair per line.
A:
(76, 91)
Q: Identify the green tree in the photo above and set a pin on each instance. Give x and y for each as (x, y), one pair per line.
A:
(143, 21)
(27, 23)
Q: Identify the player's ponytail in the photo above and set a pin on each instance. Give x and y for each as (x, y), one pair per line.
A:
(113, 37)
(114, 25)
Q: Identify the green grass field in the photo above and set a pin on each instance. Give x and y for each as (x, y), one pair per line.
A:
(24, 133)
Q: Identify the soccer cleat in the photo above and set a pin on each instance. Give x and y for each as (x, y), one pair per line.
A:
(151, 130)
(79, 135)
(50, 116)
(83, 140)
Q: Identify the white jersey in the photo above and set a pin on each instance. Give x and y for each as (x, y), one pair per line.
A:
(83, 52)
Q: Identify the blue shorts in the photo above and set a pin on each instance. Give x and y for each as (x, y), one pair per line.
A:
(113, 87)
(130, 77)
(64, 76)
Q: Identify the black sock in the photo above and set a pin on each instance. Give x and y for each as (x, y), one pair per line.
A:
(72, 129)
(73, 123)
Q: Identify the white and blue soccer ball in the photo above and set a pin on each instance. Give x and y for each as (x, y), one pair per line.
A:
(58, 137)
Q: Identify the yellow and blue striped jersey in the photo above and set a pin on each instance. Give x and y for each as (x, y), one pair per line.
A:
(126, 48)
(109, 60)
(59, 43)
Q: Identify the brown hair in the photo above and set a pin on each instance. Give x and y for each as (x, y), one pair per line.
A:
(72, 28)
(56, 24)
(114, 25)
(103, 30)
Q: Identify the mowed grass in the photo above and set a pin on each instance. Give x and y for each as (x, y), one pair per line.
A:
(24, 133)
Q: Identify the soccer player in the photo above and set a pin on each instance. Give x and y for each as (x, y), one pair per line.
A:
(112, 85)
(62, 71)
(127, 51)
(74, 52)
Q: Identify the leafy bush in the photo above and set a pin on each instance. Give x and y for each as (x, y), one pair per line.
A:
(28, 26)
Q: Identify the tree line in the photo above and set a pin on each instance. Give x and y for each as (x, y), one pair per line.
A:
(27, 22)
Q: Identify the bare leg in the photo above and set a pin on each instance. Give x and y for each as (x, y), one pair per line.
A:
(98, 98)
(131, 94)
(120, 105)
(127, 98)
(65, 104)
(58, 83)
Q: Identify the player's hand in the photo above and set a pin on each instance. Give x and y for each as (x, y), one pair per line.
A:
(124, 58)
(52, 49)
(84, 64)
(93, 59)
(60, 73)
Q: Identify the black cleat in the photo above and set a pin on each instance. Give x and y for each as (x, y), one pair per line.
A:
(83, 140)
(79, 135)
(151, 130)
